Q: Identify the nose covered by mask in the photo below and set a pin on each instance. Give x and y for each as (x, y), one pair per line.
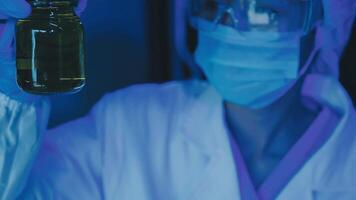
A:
(251, 69)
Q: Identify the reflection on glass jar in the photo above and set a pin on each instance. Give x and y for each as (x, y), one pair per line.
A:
(50, 49)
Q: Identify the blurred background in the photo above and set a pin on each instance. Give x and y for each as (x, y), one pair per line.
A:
(131, 42)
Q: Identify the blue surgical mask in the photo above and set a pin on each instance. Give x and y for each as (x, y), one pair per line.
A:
(251, 69)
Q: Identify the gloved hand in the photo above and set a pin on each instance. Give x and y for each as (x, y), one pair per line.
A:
(10, 10)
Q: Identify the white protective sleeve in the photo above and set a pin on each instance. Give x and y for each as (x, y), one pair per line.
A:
(21, 127)
(62, 163)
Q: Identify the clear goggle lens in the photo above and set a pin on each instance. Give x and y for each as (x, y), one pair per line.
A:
(252, 15)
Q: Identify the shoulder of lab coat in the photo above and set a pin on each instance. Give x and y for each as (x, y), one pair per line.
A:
(156, 141)
(84, 158)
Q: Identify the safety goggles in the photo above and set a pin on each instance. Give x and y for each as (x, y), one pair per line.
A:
(253, 15)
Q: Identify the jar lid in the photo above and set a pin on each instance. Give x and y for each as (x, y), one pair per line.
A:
(34, 2)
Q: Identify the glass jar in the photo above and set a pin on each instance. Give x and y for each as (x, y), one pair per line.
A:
(50, 48)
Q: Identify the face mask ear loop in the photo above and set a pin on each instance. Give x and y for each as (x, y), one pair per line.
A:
(311, 57)
(308, 16)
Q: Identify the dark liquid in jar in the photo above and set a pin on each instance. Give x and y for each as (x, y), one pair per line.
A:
(50, 55)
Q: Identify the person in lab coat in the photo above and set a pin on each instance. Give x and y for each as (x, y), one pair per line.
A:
(272, 120)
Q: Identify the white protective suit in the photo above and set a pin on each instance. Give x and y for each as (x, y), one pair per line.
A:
(175, 145)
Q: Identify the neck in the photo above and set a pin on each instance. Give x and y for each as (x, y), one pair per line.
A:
(260, 125)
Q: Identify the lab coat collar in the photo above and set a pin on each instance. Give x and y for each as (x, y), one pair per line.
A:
(203, 126)
(327, 91)
(202, 121)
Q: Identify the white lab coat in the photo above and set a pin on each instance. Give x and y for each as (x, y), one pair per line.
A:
(170, 142)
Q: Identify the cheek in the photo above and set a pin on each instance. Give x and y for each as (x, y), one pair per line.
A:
(296, 15)
(290, 22)
(2, 26)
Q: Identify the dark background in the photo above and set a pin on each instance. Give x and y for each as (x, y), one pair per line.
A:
(130, 42)
(348, 66)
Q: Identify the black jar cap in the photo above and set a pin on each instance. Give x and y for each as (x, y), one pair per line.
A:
(73, 2)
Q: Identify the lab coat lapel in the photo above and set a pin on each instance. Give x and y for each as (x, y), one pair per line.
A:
(203, 126)
(327, 92)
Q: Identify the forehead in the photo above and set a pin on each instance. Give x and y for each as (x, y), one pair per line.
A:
(244, 1)
(271, 2)
(277, 5)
